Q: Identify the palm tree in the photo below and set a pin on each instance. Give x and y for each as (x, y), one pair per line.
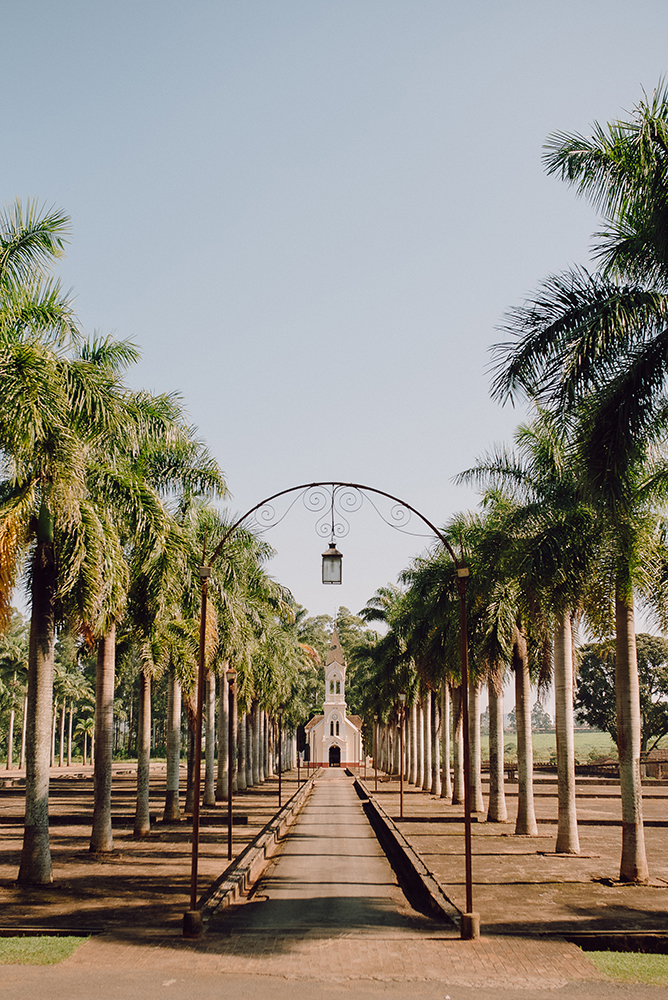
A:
(602, 338)
(13, 672)
(550, 533)
(66, 400)
(611, 448)
(87, 729)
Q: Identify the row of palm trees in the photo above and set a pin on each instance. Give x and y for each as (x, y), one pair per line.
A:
(106, 508)
(572, 524)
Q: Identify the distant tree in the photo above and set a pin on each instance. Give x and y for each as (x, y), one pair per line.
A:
(541, 721)
(595, 701)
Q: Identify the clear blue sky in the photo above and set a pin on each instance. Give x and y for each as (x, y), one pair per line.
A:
(312, 214)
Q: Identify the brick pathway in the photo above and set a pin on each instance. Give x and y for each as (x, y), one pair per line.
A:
(489, 962)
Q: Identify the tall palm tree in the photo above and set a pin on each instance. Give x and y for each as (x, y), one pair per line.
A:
(602, 338)
(14, 672)
(550, 534)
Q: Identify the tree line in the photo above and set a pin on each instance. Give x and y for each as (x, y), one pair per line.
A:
(571, 530)
(108, 500)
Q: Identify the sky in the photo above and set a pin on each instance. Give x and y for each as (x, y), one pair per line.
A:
(312, 216)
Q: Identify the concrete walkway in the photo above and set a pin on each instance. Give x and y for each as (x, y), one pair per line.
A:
(327, 912)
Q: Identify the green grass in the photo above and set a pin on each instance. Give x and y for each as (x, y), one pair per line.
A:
(588, 745)
(37, 950)
(630, 967)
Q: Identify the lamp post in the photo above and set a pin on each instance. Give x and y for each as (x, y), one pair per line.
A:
(192, 918)
(231, 675)
(375, 753)
(280, 756)
(402, 702)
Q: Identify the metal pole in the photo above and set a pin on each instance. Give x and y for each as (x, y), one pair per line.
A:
(231, 764)
(205, 572)
(401, 763)
(280, 758)
(469, 928)
(375, 752)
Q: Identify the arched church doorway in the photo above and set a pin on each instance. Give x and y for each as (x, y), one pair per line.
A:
(335, 756)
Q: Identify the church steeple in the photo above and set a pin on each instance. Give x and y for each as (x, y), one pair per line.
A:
(335, 653)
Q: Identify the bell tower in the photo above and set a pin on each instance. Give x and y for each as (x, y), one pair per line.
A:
(335, 696)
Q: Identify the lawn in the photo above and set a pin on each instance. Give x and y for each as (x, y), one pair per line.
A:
(630, 967)
(37, 950)
(588, 746)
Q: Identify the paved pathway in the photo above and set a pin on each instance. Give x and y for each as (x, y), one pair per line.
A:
(329, 910)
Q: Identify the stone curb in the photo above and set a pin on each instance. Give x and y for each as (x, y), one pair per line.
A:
(407, 862)
(247, 868)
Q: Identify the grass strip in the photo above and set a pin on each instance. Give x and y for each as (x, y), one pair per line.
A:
(37, 950)
(631, 967)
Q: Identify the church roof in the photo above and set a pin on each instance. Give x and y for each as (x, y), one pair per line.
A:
(313, 722)
(356, 721)
(335, 653)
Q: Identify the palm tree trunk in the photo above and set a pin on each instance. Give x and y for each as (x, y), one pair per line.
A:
(270, 730)
(458, 740)
(477, 800)
(54, 723)
(426, 740)
(446, 778)
(172, 811)
(69, 735)
(497, 811)
(235, 751)
(223, 740)
(10, 739)
(526, 816)
(101, 836)
(419, 723)
(35, 865)
(633, 867)
(435, 787)
(210, 744)
(242, 783)
(85, 748)
(411, 746)
(264, 748)
(142, 826)
(191, 716)
(61, 748)
(568, 841)
(22, 758)
(250, 750)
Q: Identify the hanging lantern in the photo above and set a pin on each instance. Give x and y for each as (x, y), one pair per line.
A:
(331, 564)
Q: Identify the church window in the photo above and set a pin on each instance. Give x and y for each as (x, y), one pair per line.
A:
(331, 729)
(338, 687)
(337, 728)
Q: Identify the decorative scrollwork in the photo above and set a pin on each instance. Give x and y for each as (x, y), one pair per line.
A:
(399, 516)
(317, 498)
(334, 503)
(348, 499)
(265, 516)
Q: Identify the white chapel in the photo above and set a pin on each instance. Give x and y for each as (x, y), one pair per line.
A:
(335, 739)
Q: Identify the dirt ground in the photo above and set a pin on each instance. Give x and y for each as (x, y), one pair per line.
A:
(145, 881)
(520, 885)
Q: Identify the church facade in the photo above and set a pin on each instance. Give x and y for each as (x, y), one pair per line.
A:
(335, 738)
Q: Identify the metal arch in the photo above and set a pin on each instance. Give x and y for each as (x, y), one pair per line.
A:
(337, 485)
(462, 580)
